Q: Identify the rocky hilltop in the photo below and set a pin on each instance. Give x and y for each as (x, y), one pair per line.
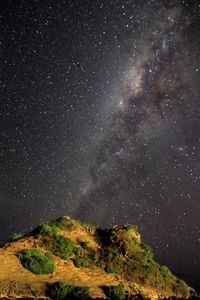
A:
(66, 259)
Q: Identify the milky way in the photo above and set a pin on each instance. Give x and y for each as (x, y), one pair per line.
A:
(143, 167)
(100, 119)
(146, 128)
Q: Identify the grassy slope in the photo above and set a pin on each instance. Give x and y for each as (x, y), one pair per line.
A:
(119, 250)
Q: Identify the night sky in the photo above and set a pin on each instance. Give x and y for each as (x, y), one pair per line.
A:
(100, 119)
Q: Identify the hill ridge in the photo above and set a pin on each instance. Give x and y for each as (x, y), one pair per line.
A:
(79, 255)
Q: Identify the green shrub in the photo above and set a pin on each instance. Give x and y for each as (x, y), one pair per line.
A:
(36, 261)
(82, 262)
(64, 223)
(146, 254)
(116, 292)
(147, 249)
(54, 226)
(113, 258)
(165, 271)
(181, 288)
(110, 269)
(34, 292)
(60, 290)
(63, 247)
(16, 236)
(95, 256)
(78, 251)
(111, 253)
(90, 228)
(49, 227)
(128, 227)
(80, 292)
(85, 245)
(78, 222)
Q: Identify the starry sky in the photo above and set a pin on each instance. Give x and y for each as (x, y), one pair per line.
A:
(99, 119)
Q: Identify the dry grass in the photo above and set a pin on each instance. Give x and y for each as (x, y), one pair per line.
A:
(19, 282)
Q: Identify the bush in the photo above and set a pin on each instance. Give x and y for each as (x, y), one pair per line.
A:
(64, 223)
(80, 292)
(63, 247)
(60, 290)
(48, 227)
(128, 227)
(90, 228)
(180, 288)
(116, 292)
(95, 256)
(110, 269)
(85, 245)
(113, 258)
(111, 253)
(165, 271)
(82, 262)
(36, 261)
(54, 226)
(78, 222)
(78, 251)
(15, 237)
(147, 253)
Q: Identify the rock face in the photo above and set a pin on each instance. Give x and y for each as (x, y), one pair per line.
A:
(86, 263)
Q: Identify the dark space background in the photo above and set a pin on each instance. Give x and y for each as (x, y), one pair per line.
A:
(99, 119)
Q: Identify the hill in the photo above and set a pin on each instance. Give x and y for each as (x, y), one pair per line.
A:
(72, 260)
